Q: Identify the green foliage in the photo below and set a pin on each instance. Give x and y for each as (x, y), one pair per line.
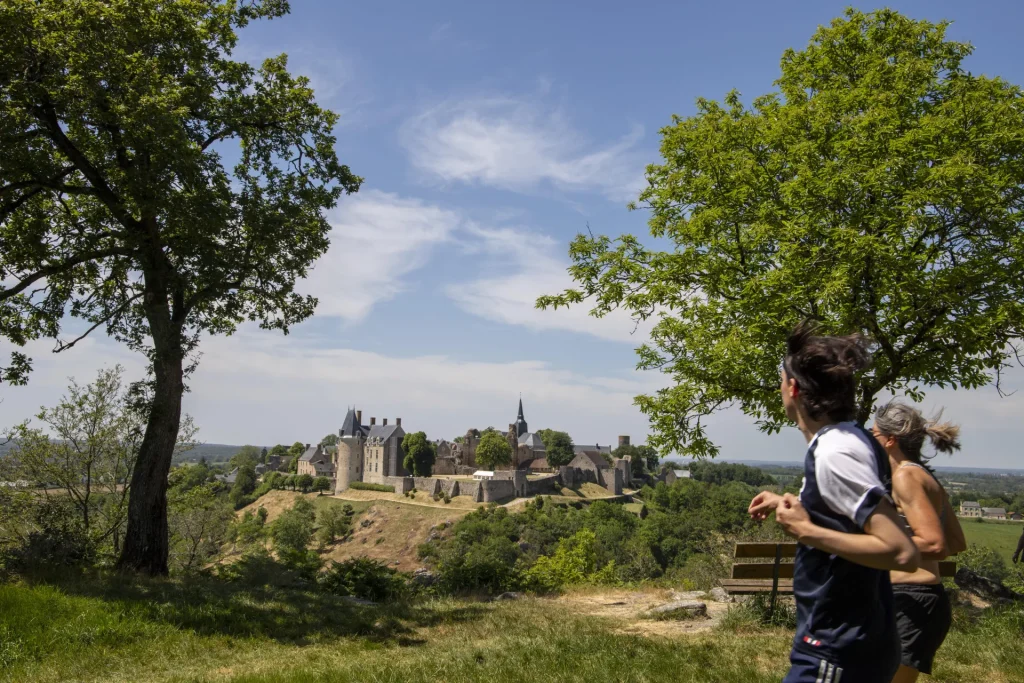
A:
(558, 447)
(643, 458)
(247, 455)
(58, 539)
(245, 484)
(877, 190)
(333, 522)
(574, 562)
(321, 484)
(249, 530)
(493, 451)
(366, 486)
(199, 521)
(119, 209)
(983, 560)
(755, 612)
(304, 482)
(364, 578)
(722, 472)
(329, 440)
(419, 454)
(279, 450)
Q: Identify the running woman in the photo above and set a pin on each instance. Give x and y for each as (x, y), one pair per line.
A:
(923, 612)
(850, 536)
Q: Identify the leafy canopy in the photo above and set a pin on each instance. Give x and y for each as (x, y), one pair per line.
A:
(116, 122)
(420, 454)
(879, 189)
(493, 450)
(558, 447)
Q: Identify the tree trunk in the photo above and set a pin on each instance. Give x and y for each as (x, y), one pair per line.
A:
(145, 541)
(145, 546)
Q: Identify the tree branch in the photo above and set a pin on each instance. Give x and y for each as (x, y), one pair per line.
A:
(62, 267)
(61, 346)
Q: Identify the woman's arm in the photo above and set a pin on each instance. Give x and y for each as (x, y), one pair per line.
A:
(956, 542)
(883, 545)
(908, 487)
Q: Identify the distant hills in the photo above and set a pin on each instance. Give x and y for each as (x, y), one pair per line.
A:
(213, 452)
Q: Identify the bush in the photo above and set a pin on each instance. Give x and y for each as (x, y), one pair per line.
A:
(447, 498)
(335, 522)
(364, 578)
(293, 530)
(983, 560)
(366, 486)
(754, 613)
(59, 541)
(574, 561)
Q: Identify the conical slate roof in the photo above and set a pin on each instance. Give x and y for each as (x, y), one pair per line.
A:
(351, 426)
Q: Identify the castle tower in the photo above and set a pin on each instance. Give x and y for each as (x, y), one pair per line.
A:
(348, 463)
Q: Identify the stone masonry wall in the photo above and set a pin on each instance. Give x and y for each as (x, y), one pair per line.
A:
(494, 490)
(543, 485)
(428, 484)
(450, 486)
(401, 484)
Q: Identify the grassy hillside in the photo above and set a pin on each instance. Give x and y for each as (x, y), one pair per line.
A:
(1001, 537)
(106, 628)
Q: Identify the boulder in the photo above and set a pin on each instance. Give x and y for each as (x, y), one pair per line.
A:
(719, 594)
(984, 587)
(508, 596)
(682, 607)
(424, 577)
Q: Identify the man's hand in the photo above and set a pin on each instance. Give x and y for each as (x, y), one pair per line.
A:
(763, 505)
(792, 516)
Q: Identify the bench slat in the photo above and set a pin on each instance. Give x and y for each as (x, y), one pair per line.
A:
(751, 586)
(764, 549)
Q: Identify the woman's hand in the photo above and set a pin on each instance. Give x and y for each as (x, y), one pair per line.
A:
(763, 505)
(791, 516)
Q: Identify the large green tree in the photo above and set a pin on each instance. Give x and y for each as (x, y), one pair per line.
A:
(493, 450)
(152, 185)
(558, 447)
(420, 454)
(879, 189)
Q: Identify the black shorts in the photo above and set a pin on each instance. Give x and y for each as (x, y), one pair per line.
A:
(923, 617)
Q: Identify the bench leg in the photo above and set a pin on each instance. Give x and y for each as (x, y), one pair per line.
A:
(775, 582)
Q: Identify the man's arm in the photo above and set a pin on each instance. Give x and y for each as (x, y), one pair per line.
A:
(883, 545)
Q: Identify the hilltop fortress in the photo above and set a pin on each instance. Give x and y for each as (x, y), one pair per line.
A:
(373, 454)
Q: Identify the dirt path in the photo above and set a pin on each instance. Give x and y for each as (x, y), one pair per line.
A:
(628, 607)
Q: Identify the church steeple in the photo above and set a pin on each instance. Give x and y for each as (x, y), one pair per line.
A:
(521, 427)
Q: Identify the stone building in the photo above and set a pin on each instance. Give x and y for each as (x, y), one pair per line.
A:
(970, 508)
(368, 452)
(316, 462)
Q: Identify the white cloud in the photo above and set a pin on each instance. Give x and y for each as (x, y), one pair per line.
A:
(522, 266)
(262, 387)
(377, 239)
(518, 145)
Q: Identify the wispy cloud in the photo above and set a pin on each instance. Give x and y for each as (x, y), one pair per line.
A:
(519, 144)
(522, 266)
(377, 240)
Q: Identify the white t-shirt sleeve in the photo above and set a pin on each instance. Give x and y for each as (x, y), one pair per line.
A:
(847, 478)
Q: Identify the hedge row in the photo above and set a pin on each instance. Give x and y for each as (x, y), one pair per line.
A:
(363, 486)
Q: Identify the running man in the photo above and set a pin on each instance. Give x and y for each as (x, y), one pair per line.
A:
(849, 532)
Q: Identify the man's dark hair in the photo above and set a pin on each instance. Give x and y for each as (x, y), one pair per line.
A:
(825, 370)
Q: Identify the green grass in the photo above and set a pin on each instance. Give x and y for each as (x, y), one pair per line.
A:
(103, 627)
(1000, 536)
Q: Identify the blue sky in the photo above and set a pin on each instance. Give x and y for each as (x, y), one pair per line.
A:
(488, 135)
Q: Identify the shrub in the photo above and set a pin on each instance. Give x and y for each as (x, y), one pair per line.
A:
(447, 498)
(335, 522)
(364, 578)
(754, 613)
(983, 560)
(574, 561)
(293, 530)
(366, 486)
(60, 540)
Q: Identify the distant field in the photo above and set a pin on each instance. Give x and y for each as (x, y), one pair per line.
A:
(1001, 537)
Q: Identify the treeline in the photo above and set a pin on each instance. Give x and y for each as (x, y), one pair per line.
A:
(684, 534)
(722, 472)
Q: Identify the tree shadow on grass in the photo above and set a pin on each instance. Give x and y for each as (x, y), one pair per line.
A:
(294, 614)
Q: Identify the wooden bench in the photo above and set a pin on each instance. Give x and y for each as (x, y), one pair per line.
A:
(776, 577)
